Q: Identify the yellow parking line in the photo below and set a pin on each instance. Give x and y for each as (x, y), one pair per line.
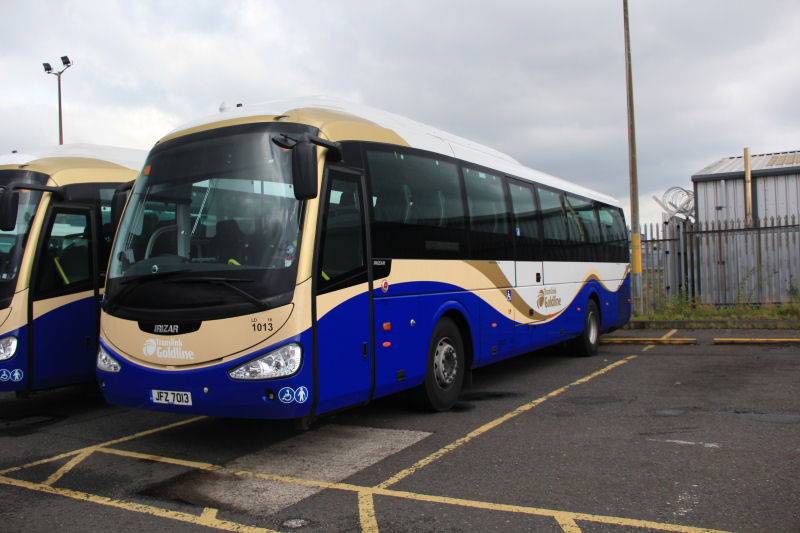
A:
(755, 341)
(568, 524)
(648, 340)
(96, 446)
(494, 423)
(564, 517)
(72, 463)
(568, 521)
(207, 518)
(366, 512)
(208, 467)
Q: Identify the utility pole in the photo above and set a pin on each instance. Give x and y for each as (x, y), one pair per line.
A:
(636, 238)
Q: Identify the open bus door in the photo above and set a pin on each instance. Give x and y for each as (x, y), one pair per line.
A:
(64, 312)
(343, 359)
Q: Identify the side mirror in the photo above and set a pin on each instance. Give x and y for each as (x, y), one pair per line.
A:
(304, 161)
(118, 202)
(9, 204)
(304, 170)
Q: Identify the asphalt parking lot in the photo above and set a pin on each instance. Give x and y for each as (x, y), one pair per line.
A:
(663, 430)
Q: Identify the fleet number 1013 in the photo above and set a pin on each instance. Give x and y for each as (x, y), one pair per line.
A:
(261, 327)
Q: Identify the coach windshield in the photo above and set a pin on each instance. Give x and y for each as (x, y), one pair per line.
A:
(12, 242)
(212, 226)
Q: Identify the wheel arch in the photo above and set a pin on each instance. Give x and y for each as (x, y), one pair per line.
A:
(596, 297)
(461, 322)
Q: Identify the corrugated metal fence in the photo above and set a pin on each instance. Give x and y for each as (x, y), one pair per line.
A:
(721, 264)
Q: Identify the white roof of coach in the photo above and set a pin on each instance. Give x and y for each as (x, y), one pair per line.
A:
(416, 134)
(127, 157)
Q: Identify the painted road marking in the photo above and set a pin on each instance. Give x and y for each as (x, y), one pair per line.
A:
(206, 518)
(648, 340)
(496, 422)
(195, 465)
(755, 341)
(107, 443)
(330, 453)
(568, 521)
(687, 443)
(651, 342)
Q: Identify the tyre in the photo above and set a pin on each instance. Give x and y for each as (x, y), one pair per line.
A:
(444, 373)
(586, 344)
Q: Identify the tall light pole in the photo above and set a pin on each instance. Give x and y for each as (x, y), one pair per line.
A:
(57, 73)
(636, 238)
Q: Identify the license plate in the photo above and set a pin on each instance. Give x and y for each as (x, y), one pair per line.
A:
(171, 397)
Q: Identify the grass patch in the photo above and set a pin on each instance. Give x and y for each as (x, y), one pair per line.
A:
(699, 315)
(739, 312)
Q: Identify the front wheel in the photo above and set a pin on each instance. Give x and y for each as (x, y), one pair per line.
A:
(586, 344)
(444, 374)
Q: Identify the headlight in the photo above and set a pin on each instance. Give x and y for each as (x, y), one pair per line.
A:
(279, 363)
(8, 347)
(106, 363)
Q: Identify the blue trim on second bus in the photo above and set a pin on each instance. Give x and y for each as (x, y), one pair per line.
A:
(63, 349)
(14, 371)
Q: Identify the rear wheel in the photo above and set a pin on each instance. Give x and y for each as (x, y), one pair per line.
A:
(444, 374)
(586, 344)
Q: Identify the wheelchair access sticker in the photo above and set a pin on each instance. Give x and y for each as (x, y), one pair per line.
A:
(289, 395)
(15, 375)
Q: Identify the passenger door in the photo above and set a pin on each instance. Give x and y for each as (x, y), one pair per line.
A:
(343, 296)
(64, 313)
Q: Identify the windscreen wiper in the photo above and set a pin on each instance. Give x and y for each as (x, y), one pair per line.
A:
(226, 282)
(127, 285)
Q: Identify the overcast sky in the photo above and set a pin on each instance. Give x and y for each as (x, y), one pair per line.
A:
(542, 80)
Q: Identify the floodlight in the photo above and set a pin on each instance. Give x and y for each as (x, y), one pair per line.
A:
(47, 67)
(66, 61)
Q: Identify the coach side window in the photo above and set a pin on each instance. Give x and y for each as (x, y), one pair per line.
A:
(418, 207)
(584, 229)
(615, 234)
(526, 221)
(65, 261)
(554, 224)
(342, 261)
(488, 219)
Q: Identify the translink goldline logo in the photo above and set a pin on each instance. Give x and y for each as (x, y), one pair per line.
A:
(166, 349)
(548, 298)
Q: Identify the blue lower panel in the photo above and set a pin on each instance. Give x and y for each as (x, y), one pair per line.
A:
(64, 345)
(225, 397)
(402, 330)
(345, 367)
(63, 349)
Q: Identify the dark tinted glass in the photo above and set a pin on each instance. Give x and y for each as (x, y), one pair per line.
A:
(418, 210)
